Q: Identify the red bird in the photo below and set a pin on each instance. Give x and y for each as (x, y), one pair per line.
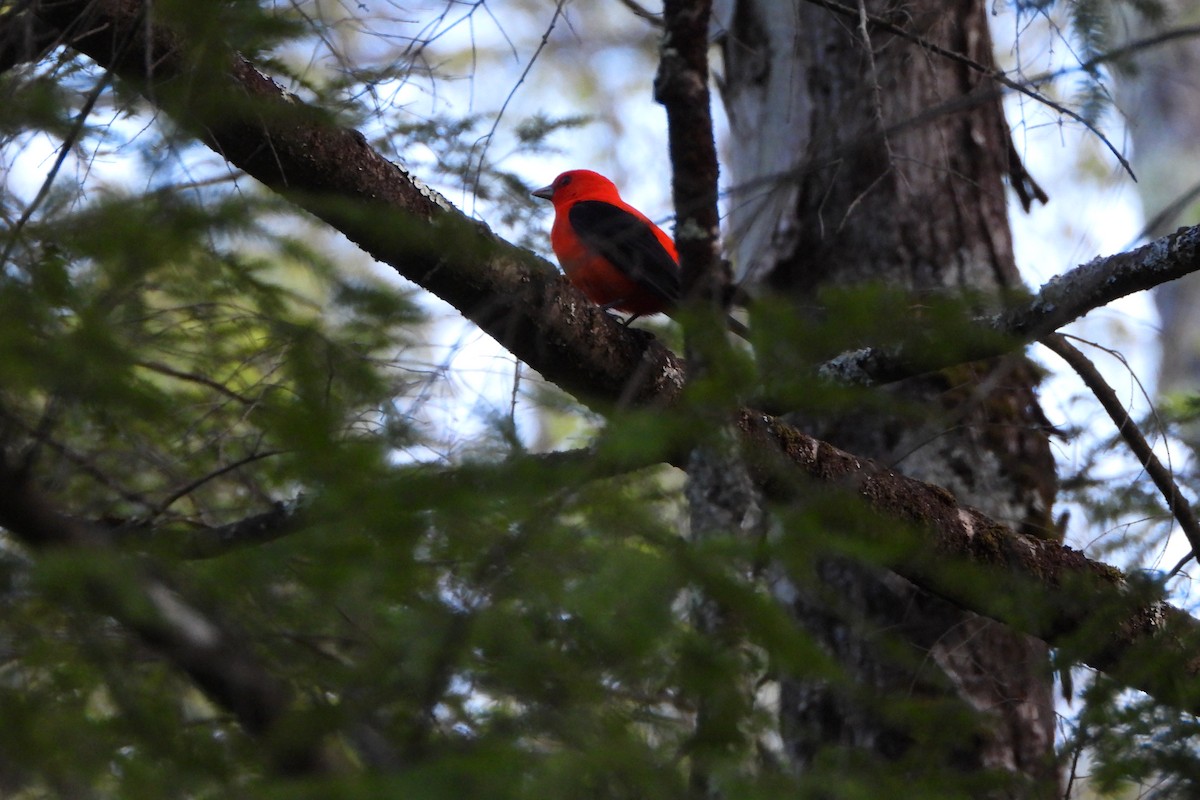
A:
(608, 249)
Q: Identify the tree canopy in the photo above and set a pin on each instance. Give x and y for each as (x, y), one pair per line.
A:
(249, 548)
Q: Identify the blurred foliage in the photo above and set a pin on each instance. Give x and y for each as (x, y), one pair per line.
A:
(180, 350)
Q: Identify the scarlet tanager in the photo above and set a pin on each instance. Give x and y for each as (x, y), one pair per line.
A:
(608, 249)
(612, 252)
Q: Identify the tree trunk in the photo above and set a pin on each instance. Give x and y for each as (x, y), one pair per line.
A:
(846, 178)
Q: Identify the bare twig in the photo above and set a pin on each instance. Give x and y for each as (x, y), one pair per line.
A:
(43, 192)
(487, 138)
(1128, 429)
(1118, 53)
(996, 75)
(641, 12)
(195, 484)
(193, 377)
(873, 71)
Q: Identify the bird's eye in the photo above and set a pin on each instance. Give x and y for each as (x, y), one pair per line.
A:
(563, 181)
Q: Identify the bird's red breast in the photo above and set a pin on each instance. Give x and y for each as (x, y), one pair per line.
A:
(608, 249)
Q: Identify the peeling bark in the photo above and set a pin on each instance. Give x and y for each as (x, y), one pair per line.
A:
(821, 108)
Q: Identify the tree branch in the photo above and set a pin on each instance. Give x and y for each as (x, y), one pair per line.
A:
(331, 171)
(516, 297)
(528, 308)
(1128, 429)
(1067, 297)
(216, 659)
(1063, 299)
(1097, 614)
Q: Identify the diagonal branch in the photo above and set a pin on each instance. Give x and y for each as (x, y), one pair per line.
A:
(520, 301)
(517, 298)
(1093, 611)
(1098, 615)
(1128, 429)
(331, 171)
(1067, 297)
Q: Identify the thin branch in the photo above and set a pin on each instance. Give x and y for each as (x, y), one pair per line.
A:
(193, 485)
(197, 378)
(409, 486)
(1118, 53)
(977, 96)
(994, 74)
(487, 138)
(1179, 506)
(64, 150)
(876, 88)
(40, 436)
(642, 12)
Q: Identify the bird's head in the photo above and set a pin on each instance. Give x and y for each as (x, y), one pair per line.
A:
(576, 184)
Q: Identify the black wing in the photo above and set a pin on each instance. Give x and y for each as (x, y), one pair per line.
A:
(625, 240)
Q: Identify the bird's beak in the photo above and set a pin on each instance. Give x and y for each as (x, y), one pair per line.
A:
(546, 192)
